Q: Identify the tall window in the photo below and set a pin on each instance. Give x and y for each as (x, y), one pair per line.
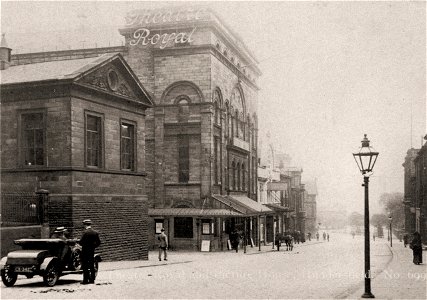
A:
(183, 158)
(236, 127)
(93, 141)
(238, 177)
(243, 177)
(233, 176)
(183, 227)
(217, 161)
(33, 140)
(127, 132)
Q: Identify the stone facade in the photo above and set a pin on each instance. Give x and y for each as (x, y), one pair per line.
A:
(420, 163)
(201, 134)
(106, 90)
(409, 190)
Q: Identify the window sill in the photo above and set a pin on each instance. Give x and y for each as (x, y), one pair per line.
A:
(182, 183)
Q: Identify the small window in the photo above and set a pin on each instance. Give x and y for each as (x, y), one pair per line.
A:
(183, 227)
(127, 146)
(94, 138)
(33, 139)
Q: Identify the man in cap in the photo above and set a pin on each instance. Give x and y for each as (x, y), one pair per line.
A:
(163, 244)
(59, 233)
(89, 241)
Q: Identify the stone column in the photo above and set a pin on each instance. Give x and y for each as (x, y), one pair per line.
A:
(159, 117)
(43, 197)
(206, 139)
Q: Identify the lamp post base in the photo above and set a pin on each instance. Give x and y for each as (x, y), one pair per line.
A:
(368, 295)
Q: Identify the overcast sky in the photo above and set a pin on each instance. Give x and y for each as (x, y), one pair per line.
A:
(332, 71)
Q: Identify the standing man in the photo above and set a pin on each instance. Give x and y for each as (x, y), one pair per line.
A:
(163, 244)
(89, 241)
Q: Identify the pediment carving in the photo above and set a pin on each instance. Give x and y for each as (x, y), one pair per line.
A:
(102, 79)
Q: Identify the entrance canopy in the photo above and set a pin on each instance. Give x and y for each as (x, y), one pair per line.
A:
(243, 204)
(277, 207)
(191, 212)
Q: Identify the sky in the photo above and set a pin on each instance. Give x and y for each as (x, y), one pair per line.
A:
(332, 72)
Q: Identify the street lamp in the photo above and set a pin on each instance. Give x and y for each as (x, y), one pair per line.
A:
(391, 232)
(365, 159)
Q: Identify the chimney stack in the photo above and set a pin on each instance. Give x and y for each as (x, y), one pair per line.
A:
(5, 54)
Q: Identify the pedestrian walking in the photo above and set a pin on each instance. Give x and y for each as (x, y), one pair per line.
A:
(309, 236)
(89, 241)
(317, 235)
(163, 245)
(278, 241)
(417, 248)
(327, 236)
(324, 235)
(405, 239)
(235, 240)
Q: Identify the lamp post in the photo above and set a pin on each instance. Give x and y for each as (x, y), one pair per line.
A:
(365, 159)
(391, 232)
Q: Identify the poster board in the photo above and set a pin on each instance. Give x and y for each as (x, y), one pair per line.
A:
(206, 245)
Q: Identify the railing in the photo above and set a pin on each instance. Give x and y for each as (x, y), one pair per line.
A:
(20, 209)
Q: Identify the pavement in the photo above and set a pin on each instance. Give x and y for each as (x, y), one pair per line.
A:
(401, 278)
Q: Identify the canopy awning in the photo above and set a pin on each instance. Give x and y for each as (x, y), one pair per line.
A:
(243, 204)
(192, 212)
(277, 207)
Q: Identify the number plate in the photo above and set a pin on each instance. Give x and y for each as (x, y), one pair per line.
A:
(24, 269)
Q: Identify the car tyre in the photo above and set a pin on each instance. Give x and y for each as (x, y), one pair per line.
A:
(8, 276)
(51, 275)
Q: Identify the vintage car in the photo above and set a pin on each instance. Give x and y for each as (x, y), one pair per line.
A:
(49, 258)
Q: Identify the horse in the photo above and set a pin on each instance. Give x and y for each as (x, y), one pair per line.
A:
(288, 242)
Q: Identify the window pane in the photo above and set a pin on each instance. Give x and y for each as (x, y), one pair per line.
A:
(127, 146)
(93, 141)
(183, 158)
(183, 227)
(32, 138)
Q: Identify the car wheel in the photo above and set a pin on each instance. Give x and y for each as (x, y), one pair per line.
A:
(76, 261)
(8, 276)
(51, 275)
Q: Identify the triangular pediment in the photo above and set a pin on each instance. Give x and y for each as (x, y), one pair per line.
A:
(114, 77)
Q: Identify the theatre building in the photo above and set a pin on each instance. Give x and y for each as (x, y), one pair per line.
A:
(195, 149)
(201, 141)
(74, 130)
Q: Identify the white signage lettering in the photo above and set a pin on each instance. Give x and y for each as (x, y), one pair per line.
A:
(145, 17)
(144, 37)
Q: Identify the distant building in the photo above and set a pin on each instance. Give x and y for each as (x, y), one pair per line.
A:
(310, 206)
(410, 180)
(420, 163)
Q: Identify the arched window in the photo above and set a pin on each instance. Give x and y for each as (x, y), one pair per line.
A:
(238, 177)
(183, 109)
